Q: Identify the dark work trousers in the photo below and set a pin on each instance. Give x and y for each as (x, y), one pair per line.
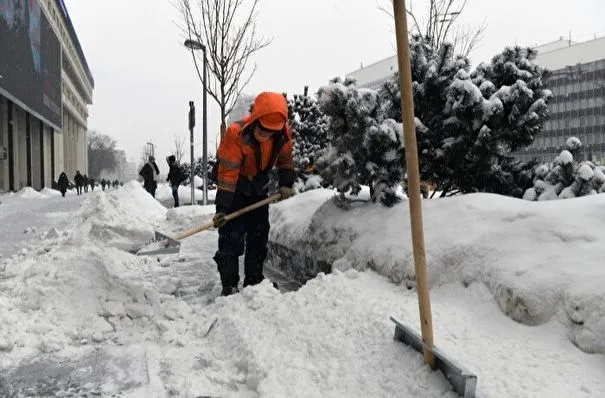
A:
(175, 195)
(247, 234)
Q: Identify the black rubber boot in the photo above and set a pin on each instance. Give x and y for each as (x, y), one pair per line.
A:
(253, 269)
(228, 268)
(229, 290)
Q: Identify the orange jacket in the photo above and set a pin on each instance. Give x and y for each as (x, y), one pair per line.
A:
(242, 156)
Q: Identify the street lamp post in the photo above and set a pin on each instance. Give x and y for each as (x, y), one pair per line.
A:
(196, 45)
(191, 126)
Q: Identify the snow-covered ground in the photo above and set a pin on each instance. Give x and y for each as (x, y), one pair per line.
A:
(80, 315)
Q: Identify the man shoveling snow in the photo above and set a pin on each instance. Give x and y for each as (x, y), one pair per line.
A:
(248, 151)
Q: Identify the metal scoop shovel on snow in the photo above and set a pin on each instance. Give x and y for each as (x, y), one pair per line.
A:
(166, 244)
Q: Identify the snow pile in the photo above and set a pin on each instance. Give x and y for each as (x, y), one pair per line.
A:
(30, 193)
(333, 338)
(75, 290)
(325, 340)
(539, 260)
(67, 296)
(123, 218)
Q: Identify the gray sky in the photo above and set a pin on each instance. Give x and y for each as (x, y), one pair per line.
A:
(144, 77)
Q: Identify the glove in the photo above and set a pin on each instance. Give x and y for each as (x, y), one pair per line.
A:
(286, 193)
(219, 220)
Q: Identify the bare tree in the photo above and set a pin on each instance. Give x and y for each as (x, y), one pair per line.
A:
(102, 153)
(179, 148)
(229, 45)
(440, 25)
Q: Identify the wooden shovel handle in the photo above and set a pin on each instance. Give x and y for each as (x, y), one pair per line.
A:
(228, 217)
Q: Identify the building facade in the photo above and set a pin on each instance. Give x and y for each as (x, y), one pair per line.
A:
(45, 89)
(577, 108)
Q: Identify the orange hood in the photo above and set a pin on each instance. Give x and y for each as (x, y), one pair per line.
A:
(266, 103)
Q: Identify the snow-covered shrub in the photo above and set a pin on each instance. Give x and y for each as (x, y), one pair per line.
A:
(309, 131)
(365, 147)
(308, 182)
(564, 178)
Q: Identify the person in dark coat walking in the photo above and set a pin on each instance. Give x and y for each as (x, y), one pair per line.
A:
(150, 172)
(92, 184)
(79, 181)
(103, 182)
(175, 177)
(86, 182)
(63, 183)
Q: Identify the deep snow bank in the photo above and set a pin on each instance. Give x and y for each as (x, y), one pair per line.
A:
(30, 193)
(76, 289)
(124, 218)
(539, 260)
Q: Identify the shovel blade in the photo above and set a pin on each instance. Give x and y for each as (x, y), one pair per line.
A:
(163, 244)
(462, 380)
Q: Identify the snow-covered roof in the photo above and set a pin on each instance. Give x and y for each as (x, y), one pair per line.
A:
(555, 56)
(377, 71)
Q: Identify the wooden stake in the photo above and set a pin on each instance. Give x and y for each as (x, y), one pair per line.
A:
(411, 157)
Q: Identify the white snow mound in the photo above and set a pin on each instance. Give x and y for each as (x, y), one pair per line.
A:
(30, 193)
(540, 260)
(123, 218)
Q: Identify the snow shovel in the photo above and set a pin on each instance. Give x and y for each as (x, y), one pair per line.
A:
(165, 244)
(462, 380)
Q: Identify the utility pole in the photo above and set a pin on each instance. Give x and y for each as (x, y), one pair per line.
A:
(191, 126)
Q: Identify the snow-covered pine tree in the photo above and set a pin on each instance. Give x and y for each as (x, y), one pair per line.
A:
(469, 123)
(198, 169)
(365, 149)
(309, 130)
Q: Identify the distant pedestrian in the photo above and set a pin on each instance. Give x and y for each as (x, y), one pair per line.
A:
(175, 177)
(63, 183)
(103, 182)
(79, 181)
(92, 184)
(85, 183)
(150, 173)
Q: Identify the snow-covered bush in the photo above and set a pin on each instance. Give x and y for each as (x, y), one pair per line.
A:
(469, 122)
(199, 171)
(309, 131)
(309, 182)
(564, 178)
(365, 147)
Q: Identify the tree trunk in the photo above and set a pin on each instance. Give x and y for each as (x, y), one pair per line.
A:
(223, 111)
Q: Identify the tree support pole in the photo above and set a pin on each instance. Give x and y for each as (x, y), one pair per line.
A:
(411, 157)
